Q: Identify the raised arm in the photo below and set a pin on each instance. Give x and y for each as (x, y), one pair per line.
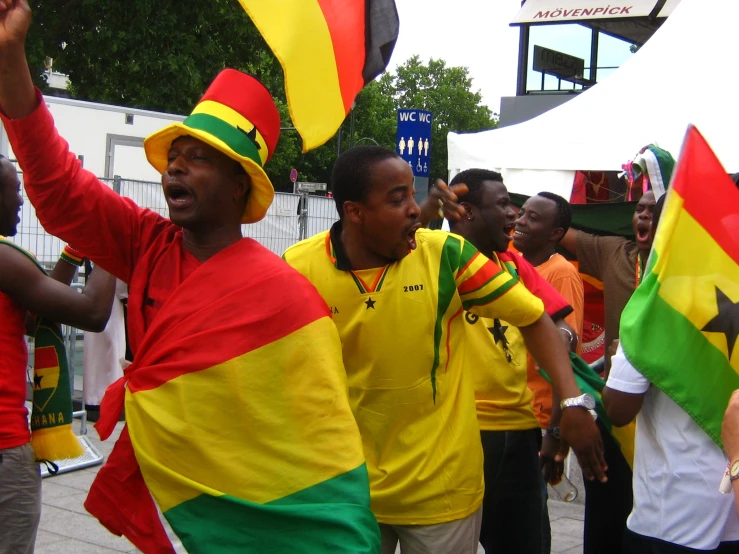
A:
(71, 203)
(569, 241)
(38, 293)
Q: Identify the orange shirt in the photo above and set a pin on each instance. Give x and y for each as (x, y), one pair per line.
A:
(563, 276)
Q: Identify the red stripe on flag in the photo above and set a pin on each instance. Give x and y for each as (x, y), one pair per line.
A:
(709, 194)
(44, 357)
(483, 275)
(261, 300)
(346, 22)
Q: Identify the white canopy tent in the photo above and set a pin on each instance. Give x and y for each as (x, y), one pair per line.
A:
(684, 74)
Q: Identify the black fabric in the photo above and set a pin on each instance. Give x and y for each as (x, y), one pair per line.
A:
(608, 505)
(380, 33)
(513, 503)
(609, 218)
(342, 260)
(639, 544)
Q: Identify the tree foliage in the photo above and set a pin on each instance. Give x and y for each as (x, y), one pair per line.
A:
(161, 55)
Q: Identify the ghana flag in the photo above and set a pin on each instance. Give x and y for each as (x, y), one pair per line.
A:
(680, 327)
(239, 433)
(329, 49)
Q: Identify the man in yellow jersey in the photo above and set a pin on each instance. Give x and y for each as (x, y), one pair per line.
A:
(513, 504)
(398, 294)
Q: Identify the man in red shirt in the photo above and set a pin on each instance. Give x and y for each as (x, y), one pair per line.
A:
(236, 400)
(24, 288)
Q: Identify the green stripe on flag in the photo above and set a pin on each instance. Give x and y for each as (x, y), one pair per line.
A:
(677, 357)
(322, 519)
(234, 138)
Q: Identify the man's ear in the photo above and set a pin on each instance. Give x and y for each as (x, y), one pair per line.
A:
(469, 213)
(353, 211)
(557, 234)
(243, 186)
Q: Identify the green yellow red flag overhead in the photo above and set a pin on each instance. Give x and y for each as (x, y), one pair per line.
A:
(329, 50)
(681, 325)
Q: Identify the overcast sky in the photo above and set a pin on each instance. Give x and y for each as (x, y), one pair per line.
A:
(471, 33)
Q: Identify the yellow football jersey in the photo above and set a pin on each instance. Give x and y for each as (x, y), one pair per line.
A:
(403, 343)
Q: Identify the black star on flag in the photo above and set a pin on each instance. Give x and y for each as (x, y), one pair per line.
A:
(370, 303)
(37, 381)
(498, 331)
(727, 320)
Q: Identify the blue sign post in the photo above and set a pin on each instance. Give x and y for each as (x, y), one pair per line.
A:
(413, 144)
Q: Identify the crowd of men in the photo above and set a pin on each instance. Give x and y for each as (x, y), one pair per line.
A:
(446, 359)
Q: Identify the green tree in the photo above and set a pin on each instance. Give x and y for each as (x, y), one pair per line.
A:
(158, 55)
(149, 54)
(447, 93)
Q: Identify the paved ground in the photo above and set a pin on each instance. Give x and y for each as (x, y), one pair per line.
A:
(67, 528)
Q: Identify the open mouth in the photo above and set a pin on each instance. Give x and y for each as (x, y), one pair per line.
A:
(411, 236)
(508, 230)
(642, 233)
(178, 196)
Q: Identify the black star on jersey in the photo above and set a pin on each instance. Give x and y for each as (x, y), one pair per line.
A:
(37, 381)
(370, 303)
(727, 320)
(498, 331)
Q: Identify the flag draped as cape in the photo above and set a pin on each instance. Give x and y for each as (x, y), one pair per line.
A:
(239, 434)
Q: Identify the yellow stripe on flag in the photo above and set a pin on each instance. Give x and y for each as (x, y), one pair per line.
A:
(235, 119)
(316, 111)
(689, 275)
(288, 429)
(49, 377)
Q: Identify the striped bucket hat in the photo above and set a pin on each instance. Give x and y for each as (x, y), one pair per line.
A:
(238, 117)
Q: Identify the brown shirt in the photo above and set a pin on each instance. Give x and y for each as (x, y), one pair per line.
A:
(612, 260)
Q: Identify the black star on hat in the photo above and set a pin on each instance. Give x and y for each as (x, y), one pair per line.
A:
(727, 320)
(370, 303)
(251, 135)
(37, 381)
(498, 331)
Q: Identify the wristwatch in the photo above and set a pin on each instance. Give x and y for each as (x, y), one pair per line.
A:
(583, 401)
(734, 470)
(552, 431)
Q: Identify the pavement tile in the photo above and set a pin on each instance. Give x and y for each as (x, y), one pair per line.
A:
(570, 528)
(80, 527)
(80, 479)
(51, 488)
(45, 538)
(72, 502)
(71, 546)
(559, 509)
(563, 543)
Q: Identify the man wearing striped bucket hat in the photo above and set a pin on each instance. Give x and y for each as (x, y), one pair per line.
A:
(239, 434)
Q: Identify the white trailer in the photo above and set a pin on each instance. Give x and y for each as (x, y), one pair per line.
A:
(108, 139)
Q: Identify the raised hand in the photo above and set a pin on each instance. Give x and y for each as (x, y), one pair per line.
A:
(17, 96)
(15, 18)
(442, 202)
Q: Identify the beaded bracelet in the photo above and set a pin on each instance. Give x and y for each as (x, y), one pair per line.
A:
(71, 256)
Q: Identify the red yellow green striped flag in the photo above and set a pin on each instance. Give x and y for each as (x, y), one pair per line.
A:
(329, 49)
(239, 435)
(681, 325)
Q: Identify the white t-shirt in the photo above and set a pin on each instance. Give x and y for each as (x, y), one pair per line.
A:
(677, 470)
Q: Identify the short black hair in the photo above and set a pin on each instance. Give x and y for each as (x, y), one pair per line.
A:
(564, 212)
(350, 177)
(657, 211)
(474, 178)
